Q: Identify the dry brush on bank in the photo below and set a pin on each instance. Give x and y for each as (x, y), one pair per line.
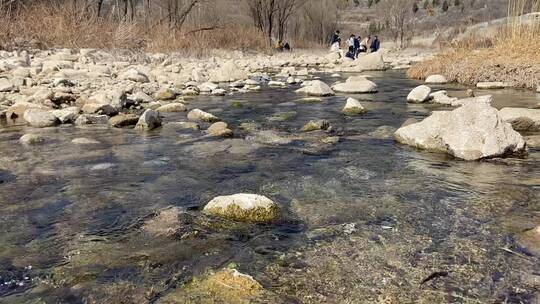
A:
(165, 25)
(512, 56)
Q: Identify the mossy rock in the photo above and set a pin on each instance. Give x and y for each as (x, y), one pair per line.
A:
(244, 207)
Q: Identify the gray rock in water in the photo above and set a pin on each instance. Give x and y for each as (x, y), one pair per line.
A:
(316, 88)
(419, 94)
(149, 120)
(123, 120)
(353, 107)
(182, 125)
(522, 119)
(200, 115)
(357, 87)
(31, 139)
(172, 107)
(244, 207)
(473, 131)
(442, 97)
(268, 137)
(40, 118)
(220, 129)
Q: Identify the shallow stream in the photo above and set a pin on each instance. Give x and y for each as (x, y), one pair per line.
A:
(365, 220)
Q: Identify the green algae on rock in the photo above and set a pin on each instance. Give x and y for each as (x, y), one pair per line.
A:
(244, 207)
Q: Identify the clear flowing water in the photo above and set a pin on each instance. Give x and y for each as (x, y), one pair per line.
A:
(365, 220)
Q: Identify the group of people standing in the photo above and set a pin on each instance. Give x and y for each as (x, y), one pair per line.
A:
(356, 45)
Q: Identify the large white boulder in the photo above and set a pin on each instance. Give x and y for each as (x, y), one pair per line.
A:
(368, 62)
(134, 75)
(243, 207)
(228, 72)
(419, 94)
(442, 97)
(472, 131)
(40, 118)
(316, 88)
(362, 86)
(522, 119)
(436, 79)
(6, 85)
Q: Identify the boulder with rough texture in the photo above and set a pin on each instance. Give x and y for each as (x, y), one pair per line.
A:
(40, 118)
(316, 88)
(115, 98)
(6, 85)
(353, 107)
(149, 120)
(436, 79)
(31, 139)
(220, 129)
(67, 115)
(442, 97)
(123, 120)
(486, 99)
(357, 87)
(228, 72)
(419, 94)
(134, 75)
(522, 119)
(91, 119)
(17, 110)
(369, 62)
(538, 89)
(244, 207)
(172, 107)
(491, 85)
(165, 94)
(200, 115)
(473, 131)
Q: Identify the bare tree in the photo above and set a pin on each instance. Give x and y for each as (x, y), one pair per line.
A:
(398, 17)
(285, 9)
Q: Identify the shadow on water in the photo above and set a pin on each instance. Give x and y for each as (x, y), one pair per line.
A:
(362, 217)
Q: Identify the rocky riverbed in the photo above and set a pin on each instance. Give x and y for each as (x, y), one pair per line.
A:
(153, 178)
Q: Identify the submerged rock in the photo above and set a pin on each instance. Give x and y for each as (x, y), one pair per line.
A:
(473, 131)
(442, 97)
(84, 141)
(225, 286)
(164, 224)
(436, 79)
(244, 207)
(200, 115)
(40, 118)
(149, 120)
(31, 139)
(314, 125)
(172, 107)
(316, 88)
(522, 119)
(353, 107)
(419, 94)
(220, 129)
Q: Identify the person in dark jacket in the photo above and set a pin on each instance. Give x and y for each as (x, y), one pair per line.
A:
(336, 37)
(357, 46)
(351, 54)
(375, 44)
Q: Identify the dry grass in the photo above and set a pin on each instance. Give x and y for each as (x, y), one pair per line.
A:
(49, 26)
(512, 56)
